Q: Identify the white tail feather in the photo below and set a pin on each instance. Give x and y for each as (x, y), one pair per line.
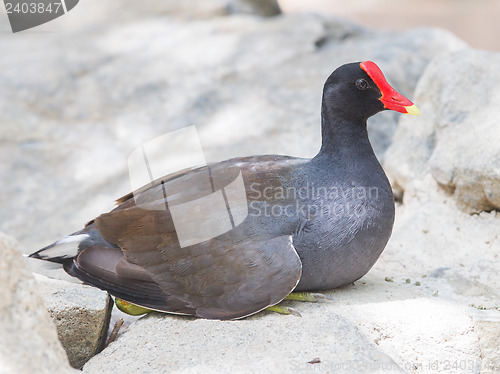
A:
(67, 247)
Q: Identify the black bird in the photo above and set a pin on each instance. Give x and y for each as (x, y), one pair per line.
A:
(309, 224)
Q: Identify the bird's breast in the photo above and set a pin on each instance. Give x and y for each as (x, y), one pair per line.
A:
(348, 227)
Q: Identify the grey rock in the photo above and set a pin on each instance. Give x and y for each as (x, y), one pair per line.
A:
(28, 341)
(487, 327)
(456, 140)
(162, 343)
(81, 314)
(264, 7)
(202, 9)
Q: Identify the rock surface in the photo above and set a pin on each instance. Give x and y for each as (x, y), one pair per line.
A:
(81, 314)
(487, 326)
(28, 341)
(187, 345)
(457, 137)
(197, 9)
(446, 163)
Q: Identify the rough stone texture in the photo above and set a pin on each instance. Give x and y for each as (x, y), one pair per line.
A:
(81, 314)
(355, 333)
(28, 342)
(433, 236)
(263, 343)
(487, 326)
(458, 134)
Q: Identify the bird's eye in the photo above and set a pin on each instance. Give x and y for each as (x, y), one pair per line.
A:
(362, 84)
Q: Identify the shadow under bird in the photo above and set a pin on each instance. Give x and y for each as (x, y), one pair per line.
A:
(336, 213)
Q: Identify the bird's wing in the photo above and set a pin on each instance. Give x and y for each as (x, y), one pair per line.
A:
(231, 275)
(263, 167)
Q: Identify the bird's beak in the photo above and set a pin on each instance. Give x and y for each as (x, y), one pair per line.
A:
(391, 99)
(395, 101)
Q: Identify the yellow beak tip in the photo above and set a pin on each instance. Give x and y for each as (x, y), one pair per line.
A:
(412, 110)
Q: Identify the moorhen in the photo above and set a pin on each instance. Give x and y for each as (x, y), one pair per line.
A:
(308, 224)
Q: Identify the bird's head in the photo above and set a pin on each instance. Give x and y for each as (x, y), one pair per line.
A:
(359, 90)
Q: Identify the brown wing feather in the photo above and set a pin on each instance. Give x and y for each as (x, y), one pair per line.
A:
(231, 276)
(267, 163)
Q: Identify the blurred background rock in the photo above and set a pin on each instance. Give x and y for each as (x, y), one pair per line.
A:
(475, 21)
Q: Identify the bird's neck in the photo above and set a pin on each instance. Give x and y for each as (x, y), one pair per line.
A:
(343, 136)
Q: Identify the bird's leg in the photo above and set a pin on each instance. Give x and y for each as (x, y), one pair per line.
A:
(281, 309)
(307, 296)
(129, 308)
(136, 310)
(297, 296)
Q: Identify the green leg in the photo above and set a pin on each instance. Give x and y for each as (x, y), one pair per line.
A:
(297, 296)
(283, 310)
(129, 308)
(307, 296)
(136, 310)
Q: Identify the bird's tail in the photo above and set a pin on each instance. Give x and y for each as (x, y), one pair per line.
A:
(57, 254)
(62, 250)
